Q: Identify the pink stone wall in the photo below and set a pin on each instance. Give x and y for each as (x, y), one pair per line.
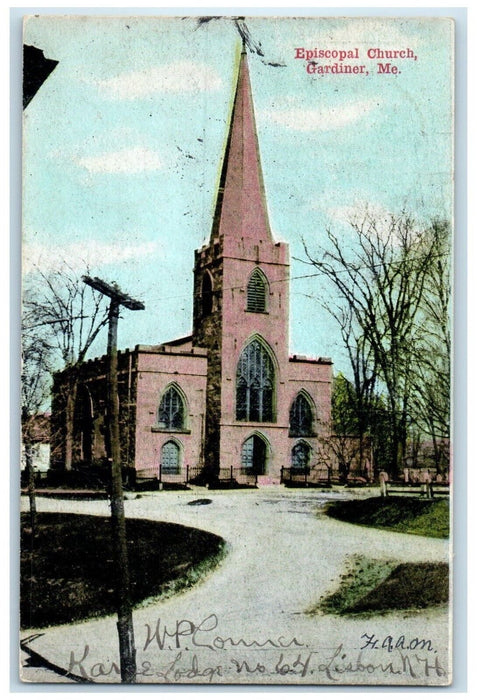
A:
(156, 372)
(312, 377)
(316, 379)
(239, 326)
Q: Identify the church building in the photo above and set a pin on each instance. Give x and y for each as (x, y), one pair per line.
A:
(229, 398)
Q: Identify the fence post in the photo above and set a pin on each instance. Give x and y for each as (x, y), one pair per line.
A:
(160, 476)
(428, 485)
(382, 484)
(281, 474)
(187, 473)
(231, 473)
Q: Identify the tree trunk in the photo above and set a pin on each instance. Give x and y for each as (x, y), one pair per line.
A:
(31, 483)
(437, 453)
(69, 423)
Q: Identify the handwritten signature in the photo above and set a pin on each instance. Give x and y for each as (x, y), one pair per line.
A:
(199, 636)
(199, 654)
(338, 668)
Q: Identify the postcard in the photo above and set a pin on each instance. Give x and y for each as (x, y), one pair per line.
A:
(236, 340)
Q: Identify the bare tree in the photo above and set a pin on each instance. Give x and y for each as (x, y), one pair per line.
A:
(380, 275)
(74, 315)
(35, 389)
(431, 376)
(358, 397)
(337, 452)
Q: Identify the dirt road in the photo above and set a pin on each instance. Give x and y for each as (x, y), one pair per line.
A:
(247, 622)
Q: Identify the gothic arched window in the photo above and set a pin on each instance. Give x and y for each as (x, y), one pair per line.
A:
(257, 292)
(255, 384)
(206, 294)
(171, 410)
(301, 417)
(300, 457)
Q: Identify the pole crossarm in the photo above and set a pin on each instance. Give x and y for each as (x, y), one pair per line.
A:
(113, 292)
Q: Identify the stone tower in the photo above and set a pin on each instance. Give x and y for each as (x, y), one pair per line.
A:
(241, 301)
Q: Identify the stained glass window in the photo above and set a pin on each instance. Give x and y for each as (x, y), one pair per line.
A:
(171, 410)
(255, 384)
(301, 417)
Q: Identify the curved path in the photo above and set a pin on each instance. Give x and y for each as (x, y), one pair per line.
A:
(247, 622)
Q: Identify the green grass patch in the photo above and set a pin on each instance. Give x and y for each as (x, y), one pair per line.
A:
(369, 586)
(67, 571)
(413, 515)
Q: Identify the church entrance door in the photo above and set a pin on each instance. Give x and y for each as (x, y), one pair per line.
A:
(254, 455)
(170, 458)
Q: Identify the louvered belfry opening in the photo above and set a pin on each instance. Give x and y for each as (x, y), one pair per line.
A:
(257, 292)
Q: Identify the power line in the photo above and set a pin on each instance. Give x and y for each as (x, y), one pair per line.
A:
(291, 278)
(56, 320)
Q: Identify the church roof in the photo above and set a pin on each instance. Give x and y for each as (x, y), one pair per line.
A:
(241, 206)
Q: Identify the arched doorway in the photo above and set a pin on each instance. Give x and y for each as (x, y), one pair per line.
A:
(170, 458)
(254, 455)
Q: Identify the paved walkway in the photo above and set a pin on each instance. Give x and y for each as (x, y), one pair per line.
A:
(247, 622)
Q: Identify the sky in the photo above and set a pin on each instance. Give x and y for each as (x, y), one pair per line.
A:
(123, 144)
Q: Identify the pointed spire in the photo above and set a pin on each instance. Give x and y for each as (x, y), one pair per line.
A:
(241, 210)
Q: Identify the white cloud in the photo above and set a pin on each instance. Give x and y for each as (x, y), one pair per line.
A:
(180, 77)
(377, 220)
(365, 32)
(85, 254)
(125, 161)
(324, 119)
(358, 211)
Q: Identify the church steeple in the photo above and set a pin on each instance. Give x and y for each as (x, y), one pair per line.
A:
(241, 210)
(240, 285)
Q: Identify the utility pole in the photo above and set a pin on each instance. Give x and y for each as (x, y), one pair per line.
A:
(127, 650)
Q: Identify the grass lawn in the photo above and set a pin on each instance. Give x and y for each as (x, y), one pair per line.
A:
(69, 575)
(415, 516)
(370, 586)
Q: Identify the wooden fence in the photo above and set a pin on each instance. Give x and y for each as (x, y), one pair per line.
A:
(422, 483)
